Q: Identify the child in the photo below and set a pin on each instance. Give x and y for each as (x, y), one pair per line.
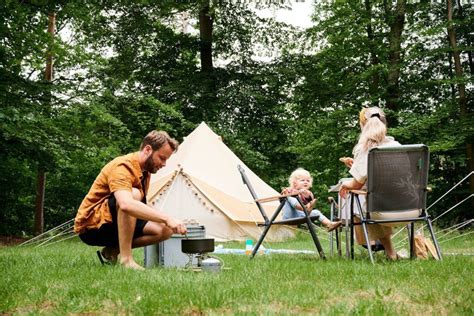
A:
(300, 182)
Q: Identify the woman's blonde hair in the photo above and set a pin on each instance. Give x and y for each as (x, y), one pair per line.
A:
(298, 173)
(374, 128)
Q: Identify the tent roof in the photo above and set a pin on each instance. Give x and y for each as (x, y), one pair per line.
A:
(233, 208)
(204, 156)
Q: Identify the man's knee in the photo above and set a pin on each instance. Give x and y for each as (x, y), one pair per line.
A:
(167, 232)
(137, 195)
(161, 231)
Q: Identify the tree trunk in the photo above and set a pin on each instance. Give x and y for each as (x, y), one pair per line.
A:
(451, 74)
(461, 89)
(467, 36)
(396, 22)
(41, 179)
(208, 79)
(205, 32)
(374, 60)
(39, 209)
(48, 74)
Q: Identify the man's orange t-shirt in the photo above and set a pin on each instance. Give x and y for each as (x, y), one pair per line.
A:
(122, 173)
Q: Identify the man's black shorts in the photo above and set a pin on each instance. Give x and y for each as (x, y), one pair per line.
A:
(107, 234)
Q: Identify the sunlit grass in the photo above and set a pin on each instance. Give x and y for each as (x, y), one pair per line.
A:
(67, 278)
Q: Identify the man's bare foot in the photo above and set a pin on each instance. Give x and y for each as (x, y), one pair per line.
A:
(134, 266)
(393, 257)
(130, 264)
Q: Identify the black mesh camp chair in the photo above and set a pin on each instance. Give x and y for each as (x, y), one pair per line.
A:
(272, 221)
(397, 179)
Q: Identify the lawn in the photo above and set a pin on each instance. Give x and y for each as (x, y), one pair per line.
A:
(66, 278)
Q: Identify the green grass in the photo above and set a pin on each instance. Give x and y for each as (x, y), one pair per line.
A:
(66, 278)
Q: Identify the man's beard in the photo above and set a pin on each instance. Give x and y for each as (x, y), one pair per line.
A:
(149, 165)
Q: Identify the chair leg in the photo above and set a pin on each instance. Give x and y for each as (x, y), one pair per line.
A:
(267, 228)
(331, 234)
(260, 240)
(346, 234)
(367, 241)
(334, 233)
(433, 237)
(352, 241)
(344, 214)
(352, 226)
(315, 238)
(411, 231)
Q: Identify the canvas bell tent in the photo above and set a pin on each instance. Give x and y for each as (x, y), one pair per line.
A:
(201, 183)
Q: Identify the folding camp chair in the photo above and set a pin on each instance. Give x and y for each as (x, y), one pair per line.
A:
(272, 221)
(397, 179)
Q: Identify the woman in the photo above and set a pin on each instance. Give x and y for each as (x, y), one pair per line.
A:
(373, 134)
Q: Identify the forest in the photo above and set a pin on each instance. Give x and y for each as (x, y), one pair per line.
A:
(82, 82)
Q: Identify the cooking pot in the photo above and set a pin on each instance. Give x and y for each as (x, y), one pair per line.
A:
(197, 245)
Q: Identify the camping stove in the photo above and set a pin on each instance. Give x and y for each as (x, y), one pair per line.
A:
(195, 260)
(199, 249)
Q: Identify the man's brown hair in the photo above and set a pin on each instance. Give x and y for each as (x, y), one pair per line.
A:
(156, 139)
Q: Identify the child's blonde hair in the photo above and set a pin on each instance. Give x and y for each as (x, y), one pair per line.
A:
(298, 173)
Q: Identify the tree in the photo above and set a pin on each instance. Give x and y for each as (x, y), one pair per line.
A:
(41, 179)
(154, 59)
(395, 18)
(34, 114)
(26, 131)
(461, 88)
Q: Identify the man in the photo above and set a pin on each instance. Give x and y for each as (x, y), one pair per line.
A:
(114, 213)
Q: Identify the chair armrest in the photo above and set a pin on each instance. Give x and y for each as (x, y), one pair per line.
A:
(359, 192)
(274, 198)
(332, 200)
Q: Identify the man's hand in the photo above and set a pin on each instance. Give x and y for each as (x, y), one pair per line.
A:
(176, 226)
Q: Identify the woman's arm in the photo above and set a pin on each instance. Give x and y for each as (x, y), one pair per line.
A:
(352, 184)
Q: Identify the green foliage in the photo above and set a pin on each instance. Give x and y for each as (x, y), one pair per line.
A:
(125, 67)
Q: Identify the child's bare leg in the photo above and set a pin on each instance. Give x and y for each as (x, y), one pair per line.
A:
(326, 222)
